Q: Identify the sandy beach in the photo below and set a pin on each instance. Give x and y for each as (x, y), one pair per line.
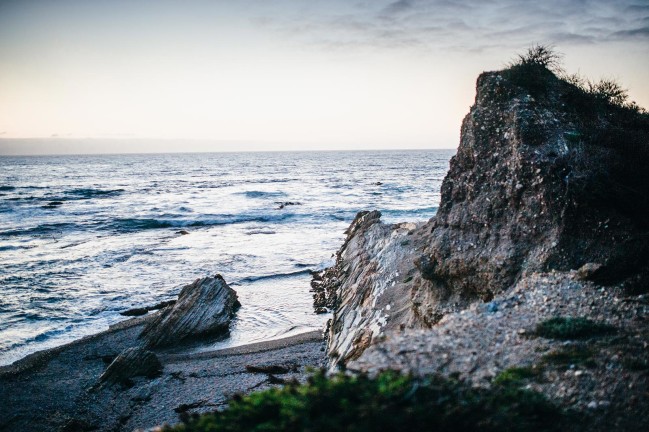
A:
(56, 389)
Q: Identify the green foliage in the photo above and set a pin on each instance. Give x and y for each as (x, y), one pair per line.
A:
(390, 402)
(572, 328)
(515, 375)
(571, 355)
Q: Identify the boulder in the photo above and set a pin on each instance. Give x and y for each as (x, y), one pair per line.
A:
(130, 363)
(203, 308)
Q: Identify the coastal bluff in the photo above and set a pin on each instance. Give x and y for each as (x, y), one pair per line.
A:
(543, 216)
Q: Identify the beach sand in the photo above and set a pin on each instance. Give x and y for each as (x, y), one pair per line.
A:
(53, 389)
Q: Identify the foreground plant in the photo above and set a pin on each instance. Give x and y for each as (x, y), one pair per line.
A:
(389, 402)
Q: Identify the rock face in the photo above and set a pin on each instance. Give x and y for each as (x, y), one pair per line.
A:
(539, 183)
(203, 308)
(373, 265)
(130, 363)
(545, 178)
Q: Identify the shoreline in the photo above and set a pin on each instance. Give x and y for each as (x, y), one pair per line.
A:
(55, 389)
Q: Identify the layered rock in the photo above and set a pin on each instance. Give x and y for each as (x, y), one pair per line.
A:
(545, 178)
(130, 363)
(203, 308)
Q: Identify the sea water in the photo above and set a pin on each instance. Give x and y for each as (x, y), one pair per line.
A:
(83, 238)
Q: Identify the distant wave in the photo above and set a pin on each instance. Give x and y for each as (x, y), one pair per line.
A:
(88, 193)
(11, 247)
(7, 188)
(43, 229)
(251, 279)
(260, 194)
(135, 224)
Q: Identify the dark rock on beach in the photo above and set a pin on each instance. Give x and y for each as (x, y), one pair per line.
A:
(130, 363)
(135, 312)
(204, 308)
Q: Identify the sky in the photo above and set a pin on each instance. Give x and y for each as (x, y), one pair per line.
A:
(80, 76)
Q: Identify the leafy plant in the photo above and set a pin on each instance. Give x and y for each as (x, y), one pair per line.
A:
(515, 375)
(390, 402)
(572, 328)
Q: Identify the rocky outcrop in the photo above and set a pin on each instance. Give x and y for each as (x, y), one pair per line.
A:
(203, 308)
(373, 267)
(130, 363)
(545, 178)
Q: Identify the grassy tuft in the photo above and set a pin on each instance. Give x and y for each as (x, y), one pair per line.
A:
(390, 402)
(572, 328)
(516, 375)
(571, 355)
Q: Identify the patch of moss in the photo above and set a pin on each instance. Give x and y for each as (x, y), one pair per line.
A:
(408, 279)
(567, 356)
(516, 375)
(572, 328)
(390, 402)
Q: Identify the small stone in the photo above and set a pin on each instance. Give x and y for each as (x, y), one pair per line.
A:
(588, 270)
(592, 405)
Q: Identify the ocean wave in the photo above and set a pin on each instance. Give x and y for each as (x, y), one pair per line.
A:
(260, 194)
(88, 193)
(251, 279)
(7, 188)
(44, 229)
(136, 224)
(12, 247)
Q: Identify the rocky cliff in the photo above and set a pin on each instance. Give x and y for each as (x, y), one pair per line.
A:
(547, 177)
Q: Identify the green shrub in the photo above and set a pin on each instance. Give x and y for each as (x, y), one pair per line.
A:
(572, 328)
(516, 375)
(571, 355)
(390, 402)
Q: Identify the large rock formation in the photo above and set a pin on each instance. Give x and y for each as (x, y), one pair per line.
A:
(204, 308)
(546, 177)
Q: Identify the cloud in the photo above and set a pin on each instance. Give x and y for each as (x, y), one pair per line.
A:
(397, 7)
(468, 25)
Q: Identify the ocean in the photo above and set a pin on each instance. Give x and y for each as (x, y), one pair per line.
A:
(83, 238)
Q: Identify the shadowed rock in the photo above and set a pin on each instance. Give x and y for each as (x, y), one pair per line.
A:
(204, 308)
(130, 363)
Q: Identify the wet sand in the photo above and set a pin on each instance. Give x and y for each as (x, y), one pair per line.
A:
(53, 389)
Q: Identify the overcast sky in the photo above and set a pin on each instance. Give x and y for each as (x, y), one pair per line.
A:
(285, 74)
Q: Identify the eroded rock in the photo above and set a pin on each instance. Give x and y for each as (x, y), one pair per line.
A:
(203, 308)
(130, 363)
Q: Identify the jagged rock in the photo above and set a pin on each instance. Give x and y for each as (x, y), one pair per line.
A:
(541, 181)
(368, 300)
(203, 308)
(130, 363)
